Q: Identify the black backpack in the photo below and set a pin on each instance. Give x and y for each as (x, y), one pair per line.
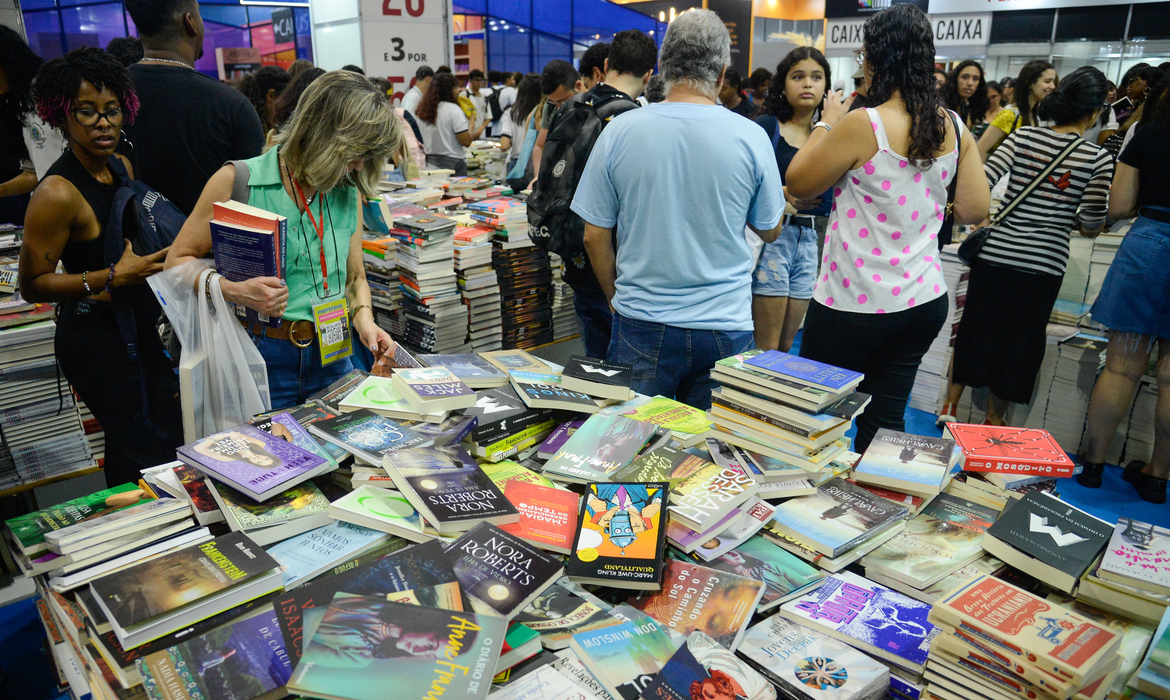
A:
(493, 103)
(553, 227)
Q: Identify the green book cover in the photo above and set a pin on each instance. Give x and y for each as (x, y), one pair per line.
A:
(664, 464)
(301, 501)
(383, 505)
(29, 530)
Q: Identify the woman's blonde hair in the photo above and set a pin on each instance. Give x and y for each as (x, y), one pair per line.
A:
(340, 118)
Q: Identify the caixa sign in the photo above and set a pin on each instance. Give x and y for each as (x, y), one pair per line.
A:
(949, 30)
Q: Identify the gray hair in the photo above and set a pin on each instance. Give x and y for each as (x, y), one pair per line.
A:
(695, 51)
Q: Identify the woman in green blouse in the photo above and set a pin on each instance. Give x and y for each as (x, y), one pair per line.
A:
(327, 157)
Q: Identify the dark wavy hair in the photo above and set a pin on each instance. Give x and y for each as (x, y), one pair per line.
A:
(1157, 106)
(1081, 94)
(290, 96)
(20, 64)
(441, 89)
(977, 104)
(1029, 75)
(256, 89)
(527, 97)
(59, 81)
(775, 102)
(899, 48)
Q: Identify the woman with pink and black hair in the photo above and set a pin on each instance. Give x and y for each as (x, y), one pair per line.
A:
(88, 94)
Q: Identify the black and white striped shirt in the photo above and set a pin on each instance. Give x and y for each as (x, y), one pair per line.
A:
(1034, 237)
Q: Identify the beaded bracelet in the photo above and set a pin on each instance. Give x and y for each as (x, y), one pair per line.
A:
(109, 288)
(85, 284)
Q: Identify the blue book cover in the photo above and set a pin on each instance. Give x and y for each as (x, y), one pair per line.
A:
(624, 658)
(302, 556)
(368, 435)
(838, 517)
(241, 253)
(373, 219)
(252, 461)
(471, 369)
(877, 619)
(805, 370)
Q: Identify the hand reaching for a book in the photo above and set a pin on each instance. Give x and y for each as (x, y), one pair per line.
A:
(132, 269)
(267, 295)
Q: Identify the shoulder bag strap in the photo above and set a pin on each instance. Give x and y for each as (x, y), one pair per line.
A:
(1036, 182)
(240, 191)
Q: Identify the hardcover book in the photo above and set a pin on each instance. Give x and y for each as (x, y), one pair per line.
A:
(805, 371)
(29, 530)
(424, 649)
(990, 448)
(385, 510)
(433, 389)
(1138, 555)
(810, 666)
(601, 446)
(695, 597)
(1058, 542)
(235, 662)
(471, 369)
(703, 498)
(609, 380)
(867, 616)
(252, 461)
(839, 517)
(548, 516)
(620, 538)
(541, 390)
(368, 435)
(624, 658)
(785, 575)
(909, 463)
(944, 538)
(562, 610)
(499, 572)
(701, 663)
(448, 488)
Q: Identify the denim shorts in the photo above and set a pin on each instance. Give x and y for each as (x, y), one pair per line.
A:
(788, 265)
(1135, 297)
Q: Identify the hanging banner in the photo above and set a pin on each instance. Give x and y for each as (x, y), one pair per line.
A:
(949, 30)
(399, 36)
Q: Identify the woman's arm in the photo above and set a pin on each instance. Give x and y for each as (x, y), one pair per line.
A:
(827, 155)
(505, 143)
(263, 294)
(1123, 197)
(357, 294)
(1095, 199)
(989, 140)
(23, 183)
(972, 194)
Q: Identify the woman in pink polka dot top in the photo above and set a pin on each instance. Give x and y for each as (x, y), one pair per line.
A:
(881, 298)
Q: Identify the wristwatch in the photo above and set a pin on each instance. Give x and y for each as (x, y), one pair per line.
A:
(827, 126)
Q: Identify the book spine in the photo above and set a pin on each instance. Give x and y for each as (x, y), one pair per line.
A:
(775, 422)
(1017, 465)
(282, 234)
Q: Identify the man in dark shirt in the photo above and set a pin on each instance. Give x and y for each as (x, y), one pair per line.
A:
(188, 124)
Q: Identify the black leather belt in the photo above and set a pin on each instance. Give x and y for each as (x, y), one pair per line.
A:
(797, 220)
(1155, 214)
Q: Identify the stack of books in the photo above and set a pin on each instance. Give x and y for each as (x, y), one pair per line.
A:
(479, 286)
(930, 384)
(785, 407)
(1080, 361)
(526, 297)
(1105, 249)
(909, 464)
(1132, 577)
(380, 256)
(506, 216)
(1033, 415)
(1076, 272)
(1139, 434)
(94, 433)
(564, 313)
(435, 318)
(1153, 675)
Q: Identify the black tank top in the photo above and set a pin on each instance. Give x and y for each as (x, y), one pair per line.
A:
(81, 256)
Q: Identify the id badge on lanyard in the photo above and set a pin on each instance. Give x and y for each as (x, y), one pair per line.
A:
(331, 319)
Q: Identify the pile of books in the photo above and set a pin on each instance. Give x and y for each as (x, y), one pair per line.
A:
(1132, 576)
(435, 319)
(380, 257)
(564, 313)
(94, 433)
(1105, 249)
(1138, 438)
(1076, 271)
(479, 286)
(930, 384)
(525, 293)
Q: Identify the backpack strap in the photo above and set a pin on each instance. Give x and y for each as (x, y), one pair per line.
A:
(240, 186)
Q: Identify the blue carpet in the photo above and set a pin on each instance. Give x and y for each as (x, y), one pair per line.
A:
(28, 673)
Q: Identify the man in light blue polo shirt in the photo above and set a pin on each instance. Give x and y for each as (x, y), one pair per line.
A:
(679, 180)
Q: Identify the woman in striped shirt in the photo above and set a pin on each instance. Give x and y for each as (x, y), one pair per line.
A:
(1016, 278)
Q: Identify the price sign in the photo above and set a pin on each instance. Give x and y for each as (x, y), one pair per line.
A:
(399, 36)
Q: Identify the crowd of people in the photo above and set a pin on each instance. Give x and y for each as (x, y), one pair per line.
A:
(714, 213)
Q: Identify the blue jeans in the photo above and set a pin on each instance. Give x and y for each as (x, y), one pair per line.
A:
(596, 320)
(671, 361)
(295, 374)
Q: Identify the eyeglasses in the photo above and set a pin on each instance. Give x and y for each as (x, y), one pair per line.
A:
(90, 117)
(859, 56)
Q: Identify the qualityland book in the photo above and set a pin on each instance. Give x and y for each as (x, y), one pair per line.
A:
(837, 518)
(500, 572)
(471, 369)
(448, 488)
(869, 617)
(466, 647)
(608, 380)
(696, 597)
(385, 510)
(245, 659)
(28, 531)
(805, 371)
(288, 513)
(548, 516)
(1048, 538)
(601, 446)
(367, 435)
(1028, 629)
(912, 464)
(944, 538)
(159, 596)
(701, 499)
(1138, 555)
(252, 461)
(991, 448)
(433, 389)
(702, 663)
(624, 658)
(807, 665)
(620, 539)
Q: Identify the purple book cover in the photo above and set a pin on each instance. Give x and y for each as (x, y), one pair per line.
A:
(559, 436)
(804, 369)
(249, 459)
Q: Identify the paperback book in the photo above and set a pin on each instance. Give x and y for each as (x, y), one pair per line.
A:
(433, 389)
(548, 516)
(909, 463)
(702, 664)
(28, 531)
(542, 390)
(448, 488)
(509, 360)
(562, 610)
(805, 371)
(554, 442)
(687, 423)
(470, 368)
(252, 461)
(384, 510)
(839, 517)
(378, 395)
(368, 435)
(747, 520)
(288, 513)
(607, 380)
(663, 464)
(696, 597)
(990, 448)
(286, 427)
(624, 658)
(703, 498)
(312, 553)
(499, 572)
(601, 446)
(1138, 555)
(620, 538)
(785, 575)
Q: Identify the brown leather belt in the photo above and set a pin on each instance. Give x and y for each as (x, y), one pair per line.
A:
(299, 333)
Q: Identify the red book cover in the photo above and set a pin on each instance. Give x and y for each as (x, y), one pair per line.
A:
(1008, 450)
(548, 516)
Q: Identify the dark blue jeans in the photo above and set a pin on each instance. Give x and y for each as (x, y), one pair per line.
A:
(295, 374)
(596, 320)
(671, 361)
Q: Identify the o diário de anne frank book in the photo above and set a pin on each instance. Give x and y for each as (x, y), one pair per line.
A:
(909, 463)
(365, 647)
(620, 537)
(785, 575)
(601, 446)
(995, 448)
(448, 488)
(243, 659)
(624, 658)
(702, 664)
(838, 517)
(252, 461)
(1138, 555)
(867, 616)
(500, 572)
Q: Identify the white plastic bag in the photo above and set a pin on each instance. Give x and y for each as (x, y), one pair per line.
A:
(223, 377)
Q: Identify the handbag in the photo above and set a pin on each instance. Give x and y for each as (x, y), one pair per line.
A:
(969, 249)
